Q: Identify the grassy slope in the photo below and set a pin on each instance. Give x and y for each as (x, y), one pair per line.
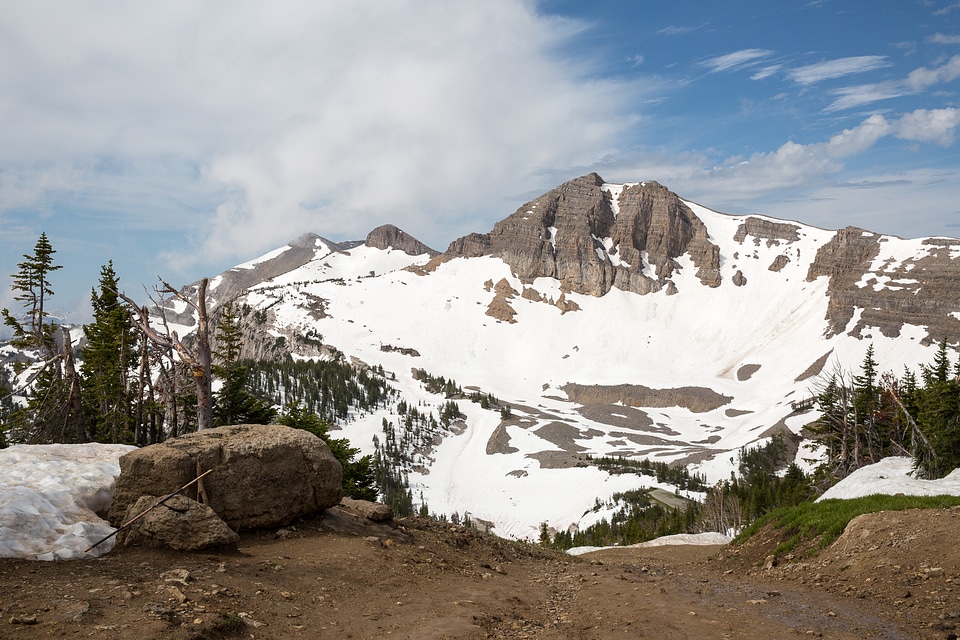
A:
(815, 525)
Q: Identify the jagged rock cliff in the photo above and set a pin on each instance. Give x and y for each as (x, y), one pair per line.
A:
(593, 238)
(889, 291)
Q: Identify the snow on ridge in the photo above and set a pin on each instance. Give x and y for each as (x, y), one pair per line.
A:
(252, 264)
(615, 190)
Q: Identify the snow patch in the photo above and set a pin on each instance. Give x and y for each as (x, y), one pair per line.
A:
(663, 541)
(892, 476)
(50, 496)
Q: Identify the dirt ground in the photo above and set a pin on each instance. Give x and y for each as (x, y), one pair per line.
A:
(891, 575)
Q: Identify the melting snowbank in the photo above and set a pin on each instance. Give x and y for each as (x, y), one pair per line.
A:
(891, 476)
(49, 496)
(680, 538)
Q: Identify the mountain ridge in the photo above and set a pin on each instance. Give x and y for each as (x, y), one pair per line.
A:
(613, 320)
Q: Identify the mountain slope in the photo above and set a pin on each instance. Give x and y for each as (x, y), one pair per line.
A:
(612, 320)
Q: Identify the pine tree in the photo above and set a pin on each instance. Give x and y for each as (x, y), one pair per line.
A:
(866, 406)
(939, 415)
(939, 371)
(108, 358)
(234, 404)
(33, 331)
(52, 413)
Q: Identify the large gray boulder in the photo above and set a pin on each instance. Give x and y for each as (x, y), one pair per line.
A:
(263, 475)
(179, 523)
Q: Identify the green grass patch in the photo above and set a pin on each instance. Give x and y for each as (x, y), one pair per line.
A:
(822, 522)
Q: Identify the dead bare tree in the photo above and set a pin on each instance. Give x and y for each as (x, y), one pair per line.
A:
(721, 510)
(72, 380)
(196, 356)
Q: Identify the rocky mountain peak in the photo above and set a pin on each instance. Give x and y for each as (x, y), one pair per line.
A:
(389, 236)
(579, 235)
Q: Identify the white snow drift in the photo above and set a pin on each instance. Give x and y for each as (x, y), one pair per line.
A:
(50, 496)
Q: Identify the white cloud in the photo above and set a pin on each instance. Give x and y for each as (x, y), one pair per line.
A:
(947, 9)
(744, 182)
(923, 78)
(916, 81)
(830, 69)
(935, 125)
(736, 60)
(940, 38)
(295, 116)
(677, 31)
(766, 72)
(859, 95)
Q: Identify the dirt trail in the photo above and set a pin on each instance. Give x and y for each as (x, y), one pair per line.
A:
(340, 577)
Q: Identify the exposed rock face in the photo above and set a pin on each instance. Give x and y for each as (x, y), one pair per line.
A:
(919, 291)
(180, 523)
(779, 263)
(573, 234)
(762, 229)
(844, 260)
(499, 307)
(389, 236)
(263, 476)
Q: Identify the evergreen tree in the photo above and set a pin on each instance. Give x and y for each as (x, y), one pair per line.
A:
(939, 415)
(358, 476)
(939, 371)
(234, 404)
(52, 412)
(108, 357)
(33, 292)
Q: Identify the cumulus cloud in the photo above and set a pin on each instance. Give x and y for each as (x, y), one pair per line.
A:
(922, 78)
(930, 125)
(295, 116)
(740, 181)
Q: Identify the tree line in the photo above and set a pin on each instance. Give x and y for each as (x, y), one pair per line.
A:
(139, 383)
(868, 416)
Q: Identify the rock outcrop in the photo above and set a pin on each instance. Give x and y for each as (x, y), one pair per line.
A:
(375, 511)
(890, 292)
(577, 234)
(263, 476)
(390, 237)
(763, 229)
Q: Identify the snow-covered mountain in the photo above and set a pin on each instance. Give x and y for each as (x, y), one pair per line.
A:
(613, 320)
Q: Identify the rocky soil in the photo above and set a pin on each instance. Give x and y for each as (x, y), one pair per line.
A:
(892, 575)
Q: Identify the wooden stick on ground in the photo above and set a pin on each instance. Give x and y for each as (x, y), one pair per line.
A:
(137, 517)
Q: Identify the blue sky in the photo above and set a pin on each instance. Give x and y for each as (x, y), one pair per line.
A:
(180, 138)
